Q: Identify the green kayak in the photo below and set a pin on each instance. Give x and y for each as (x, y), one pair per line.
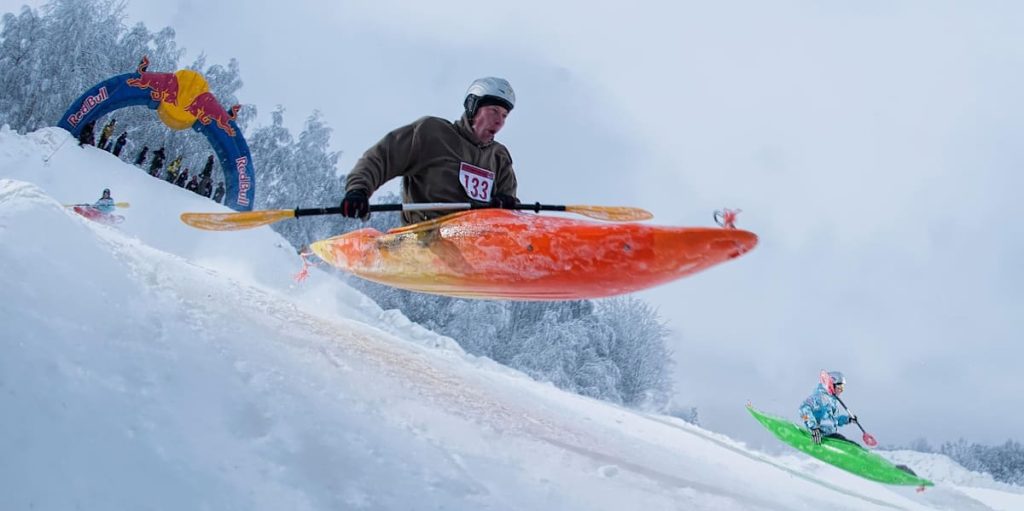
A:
(848, 456)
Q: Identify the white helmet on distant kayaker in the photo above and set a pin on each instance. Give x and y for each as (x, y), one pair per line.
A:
(834, 381)
(488, 91)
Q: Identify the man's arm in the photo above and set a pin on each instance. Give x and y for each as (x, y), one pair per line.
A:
(389, 158)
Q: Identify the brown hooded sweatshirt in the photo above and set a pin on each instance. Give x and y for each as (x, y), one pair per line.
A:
(439, 161)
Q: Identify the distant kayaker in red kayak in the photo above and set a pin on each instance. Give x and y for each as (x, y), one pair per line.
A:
(440, 160)
(105, 204)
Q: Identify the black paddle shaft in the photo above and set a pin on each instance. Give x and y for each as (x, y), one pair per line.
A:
(857, 422)
(535, 207)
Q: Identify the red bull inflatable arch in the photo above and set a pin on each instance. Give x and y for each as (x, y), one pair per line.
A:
(182, 100)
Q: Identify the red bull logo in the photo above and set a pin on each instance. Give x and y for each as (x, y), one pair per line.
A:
(162, 87)
(192, 90)
(244, 183)
(207, 109)
(87, 106)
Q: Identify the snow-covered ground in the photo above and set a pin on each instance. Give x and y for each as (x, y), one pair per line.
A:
(154, 366)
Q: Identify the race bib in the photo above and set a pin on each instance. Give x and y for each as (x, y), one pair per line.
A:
(477, 182)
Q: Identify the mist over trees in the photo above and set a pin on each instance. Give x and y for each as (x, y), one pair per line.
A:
(611, 349)
(297, 172)
(1005, 463)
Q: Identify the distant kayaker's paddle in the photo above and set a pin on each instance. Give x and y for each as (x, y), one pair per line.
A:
(118, 204)
(249, 219)
(868, 439)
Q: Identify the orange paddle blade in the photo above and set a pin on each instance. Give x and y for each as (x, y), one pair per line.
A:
(611, 213)
(236, 221)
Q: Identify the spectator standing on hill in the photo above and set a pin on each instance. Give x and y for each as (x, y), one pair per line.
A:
(88, 134)
(157, 163)
(182, 178)
(218, 194)
(141, 158)
(107, 132)
(119, 145)
(172, 170)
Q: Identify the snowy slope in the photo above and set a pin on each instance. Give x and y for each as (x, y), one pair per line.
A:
(154, 366)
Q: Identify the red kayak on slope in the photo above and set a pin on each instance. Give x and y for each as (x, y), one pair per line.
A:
(96, 215)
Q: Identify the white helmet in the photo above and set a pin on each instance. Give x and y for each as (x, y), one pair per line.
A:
(830, 379)
(489, 91)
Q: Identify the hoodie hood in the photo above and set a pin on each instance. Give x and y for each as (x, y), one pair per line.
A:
(465, 128)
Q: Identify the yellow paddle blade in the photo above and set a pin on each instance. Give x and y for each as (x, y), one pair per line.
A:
(236, 221)
(611, 213)
(122, 204)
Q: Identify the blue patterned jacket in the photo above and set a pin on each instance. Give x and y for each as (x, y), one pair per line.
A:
(820, 410)
(105, 205)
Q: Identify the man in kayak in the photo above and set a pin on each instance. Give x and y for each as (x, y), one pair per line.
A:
(820, 410)
(440, 160)
(105, 204)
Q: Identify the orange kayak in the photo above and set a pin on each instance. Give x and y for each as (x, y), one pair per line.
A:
(501, 254)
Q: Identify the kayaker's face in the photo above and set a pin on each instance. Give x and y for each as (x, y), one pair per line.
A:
(488, 122)
(839, 388)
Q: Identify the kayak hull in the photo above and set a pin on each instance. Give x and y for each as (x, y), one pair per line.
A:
(98, 216)
(503, 254)
(846, 455)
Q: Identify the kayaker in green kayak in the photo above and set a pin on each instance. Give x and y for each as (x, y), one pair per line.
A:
(820, 411)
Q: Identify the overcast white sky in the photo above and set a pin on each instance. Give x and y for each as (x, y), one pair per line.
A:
(874, 146)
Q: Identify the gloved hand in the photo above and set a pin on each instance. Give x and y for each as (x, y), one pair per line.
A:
(503, 201)
(816, 436)
(853, 419)
(356, 204)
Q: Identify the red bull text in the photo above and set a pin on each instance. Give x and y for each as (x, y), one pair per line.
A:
(87, 105)
(244, 183)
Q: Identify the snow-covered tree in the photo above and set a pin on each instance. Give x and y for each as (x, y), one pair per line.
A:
(612, 349)
(1004, 462)
(21, 48)
(48, 58)
(639, 351)
(56, 56)
(298, 173)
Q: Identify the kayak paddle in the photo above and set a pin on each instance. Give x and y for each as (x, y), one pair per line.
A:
(118, 204)
(868, 439)
(249, 219)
